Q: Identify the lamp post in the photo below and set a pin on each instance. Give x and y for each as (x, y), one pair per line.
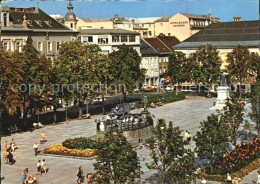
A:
(66, 107)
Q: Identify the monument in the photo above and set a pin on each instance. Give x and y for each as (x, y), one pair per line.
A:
(223, 93)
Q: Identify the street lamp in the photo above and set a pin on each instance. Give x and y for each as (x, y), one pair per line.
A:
(66, 107)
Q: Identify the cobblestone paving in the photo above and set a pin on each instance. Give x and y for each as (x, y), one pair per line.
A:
(186, 114)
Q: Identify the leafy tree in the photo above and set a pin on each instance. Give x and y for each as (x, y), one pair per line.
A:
(210, 63)
(127, 70)
(173, 162)
(116, 160)
(175, 67)
(79, 60)
(233, 113)
(105, 75)
(35, 79)
(255, 93)
(212, 138)
(238, 65)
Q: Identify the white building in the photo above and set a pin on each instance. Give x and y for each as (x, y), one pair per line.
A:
(109, 39)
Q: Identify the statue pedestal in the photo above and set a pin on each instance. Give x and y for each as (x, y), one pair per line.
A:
(223, 94)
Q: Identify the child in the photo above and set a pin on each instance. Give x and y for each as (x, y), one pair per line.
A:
(79, 175)
(6, 156)
(39, 172)
(42, 137)
(43, 166)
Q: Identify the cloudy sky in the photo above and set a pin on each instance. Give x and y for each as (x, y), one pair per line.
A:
(224, 9)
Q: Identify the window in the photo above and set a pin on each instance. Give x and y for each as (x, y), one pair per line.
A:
(131, 38)
(87, 39)
(149, 25)
(71, 25)
(5, 20)
(5, 46)
(123, 38)
(161, 24)
(102, 41)
(150, 33)
(115, 38)
(49, 47)
(18, 46)
(39, 46)
(58, 46)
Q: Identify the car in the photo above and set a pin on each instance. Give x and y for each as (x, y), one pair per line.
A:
(169, 88)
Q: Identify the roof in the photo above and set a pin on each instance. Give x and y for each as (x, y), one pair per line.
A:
(97, 20)
(145, 20)
(147, 49)
(107, 31)
(36, 19)
(169, 41)
(225, 34)
(195, 16)
(163, 19)
(158, 45)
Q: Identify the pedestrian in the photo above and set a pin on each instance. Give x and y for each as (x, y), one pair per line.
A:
(24, 176)
(189, 137)
(6, 145)
(10, 157)
(43, 166)
(88, 176)
(140, 142)
(229, 180)
(42, 137)
(39, 168)
(13, 145)
(10, 147)
(186, 135)
(203, 180)
(6, 156)
(258, 177)
(35, 147)
(79, 175)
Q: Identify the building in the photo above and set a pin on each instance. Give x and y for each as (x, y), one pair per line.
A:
(155, 52)
(31, 25)
(109, 39)
(225, 36)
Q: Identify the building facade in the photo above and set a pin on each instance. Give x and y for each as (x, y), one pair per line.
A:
(109, 39)
(20, 26)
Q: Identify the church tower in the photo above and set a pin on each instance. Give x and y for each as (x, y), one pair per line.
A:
(70, 18)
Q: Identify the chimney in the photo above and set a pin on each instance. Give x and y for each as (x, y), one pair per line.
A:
(236, 19)
(133, 23)
(161, 35)
(116, 17)
(24, 24)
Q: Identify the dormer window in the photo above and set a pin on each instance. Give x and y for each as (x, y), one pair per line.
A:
(48, 23)
(29, 22)
(19, 21)
(39, 22)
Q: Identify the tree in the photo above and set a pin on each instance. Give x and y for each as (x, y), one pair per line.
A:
(175, 67)
(233, 113)
(210, 64)
(116, 160)
(105, 75)
(11, 74)
(212, 138)
(255, 93)
(238, 65)
(126, 63)
(79, 59)
(173, 162)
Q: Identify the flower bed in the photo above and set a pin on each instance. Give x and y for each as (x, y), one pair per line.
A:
(58, 149)
(80, 143)
(239, 174)
(237, 159)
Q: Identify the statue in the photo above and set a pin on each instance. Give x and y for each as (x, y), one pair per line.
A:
(223, 80)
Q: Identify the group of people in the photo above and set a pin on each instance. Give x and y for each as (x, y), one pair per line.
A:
(41, 167)
(187, 137)
(37, 125)
(9, 158)
(81, 176)
(26, 178)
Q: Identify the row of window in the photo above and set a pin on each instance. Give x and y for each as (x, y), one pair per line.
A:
(49, 46)
(104, 40)
(17, 45)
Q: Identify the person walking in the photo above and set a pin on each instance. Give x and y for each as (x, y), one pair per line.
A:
(43, 166)
(42, 137)
(13, 145)
(229, 180)
(140, 142)
(189, 137)
(39, 168)
(6, 145)
(35, 147)
(186, 135)
(79, 175)
(6, 156)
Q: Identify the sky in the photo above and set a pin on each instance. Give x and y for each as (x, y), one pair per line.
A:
(223, 9)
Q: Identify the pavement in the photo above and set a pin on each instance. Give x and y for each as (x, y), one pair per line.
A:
(186, 114)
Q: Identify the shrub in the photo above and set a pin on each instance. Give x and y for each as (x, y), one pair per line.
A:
(79, 143)
(58, 149)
